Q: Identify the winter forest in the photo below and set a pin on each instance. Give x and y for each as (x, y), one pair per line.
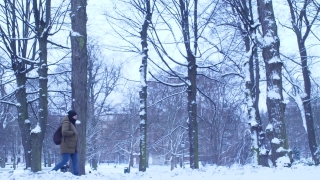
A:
(181, 83)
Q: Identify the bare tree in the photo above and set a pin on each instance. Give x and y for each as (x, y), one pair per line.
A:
(304, 15)
(16, 38)
(276, 131)
(143, 91)
(167, 128)
(182, 11)
(79, 73)
(43, 24)
(248, 30)
(102, 81)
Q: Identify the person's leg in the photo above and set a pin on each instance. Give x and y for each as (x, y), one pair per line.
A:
(75, 168)
(65, 158)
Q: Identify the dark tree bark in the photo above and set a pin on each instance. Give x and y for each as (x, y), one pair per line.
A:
(276, 130)
(79, 74)
(143, 90)
(298, 19)
(42, 29)
(16, 44)
(192, 74)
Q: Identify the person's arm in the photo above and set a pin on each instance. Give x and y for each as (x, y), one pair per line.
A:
(66, 131)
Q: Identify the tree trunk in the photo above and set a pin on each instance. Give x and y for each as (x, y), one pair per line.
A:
(94, 164)
(307, 104)
(42, 29)
(305, 73)
(263, 151)
(192, 86)
(17, 47)
(276, 130)
(172, 162)
(23, 121)
(92, 121)
(143, 90)
(79, 74)
(49, 159)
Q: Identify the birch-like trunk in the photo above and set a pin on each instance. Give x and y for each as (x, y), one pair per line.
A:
(79, 74)
(276, 131)
(143, 90)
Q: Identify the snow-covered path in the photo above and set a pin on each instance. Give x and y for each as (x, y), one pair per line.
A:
(297, 172)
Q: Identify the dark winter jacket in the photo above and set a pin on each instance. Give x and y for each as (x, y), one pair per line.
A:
(70, 137)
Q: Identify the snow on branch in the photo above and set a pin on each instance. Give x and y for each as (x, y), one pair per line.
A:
(168, 84)
(8, 102)
(167, 97)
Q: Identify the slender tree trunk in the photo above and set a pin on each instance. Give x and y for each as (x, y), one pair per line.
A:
(172, 162)
(250, 106)
(143, 90)
(276, 130)
(192, 75)
(307, 104)
(315, 153)
(49, 159)
(91, 111)
(263, 151)
(42, 28)
(23, 121)
(79, 74)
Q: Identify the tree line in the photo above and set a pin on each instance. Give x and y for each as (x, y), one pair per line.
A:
(203, 68)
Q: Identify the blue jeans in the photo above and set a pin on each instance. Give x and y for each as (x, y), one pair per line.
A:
(64, 161)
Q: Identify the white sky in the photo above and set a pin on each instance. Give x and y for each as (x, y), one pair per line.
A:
(99, 29)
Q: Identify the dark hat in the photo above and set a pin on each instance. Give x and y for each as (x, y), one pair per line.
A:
(72, 113)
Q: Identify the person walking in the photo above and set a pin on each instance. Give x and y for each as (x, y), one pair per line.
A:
(68, 146)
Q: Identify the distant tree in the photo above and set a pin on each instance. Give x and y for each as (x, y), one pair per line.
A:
(102, 81)
(167, 130)
(184, 16)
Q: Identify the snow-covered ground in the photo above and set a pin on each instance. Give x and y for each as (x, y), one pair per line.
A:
(296, 172)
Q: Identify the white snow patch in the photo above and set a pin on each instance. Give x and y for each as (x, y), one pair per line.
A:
(36, 130)
(162, 172)
(253, 123)
(281, 149)
(275, 59)
(298, 100)
(283, 161)
(275, 75)
(75, 34)
(273, 94)
(142, 113)
(275, 141)
(269, 127)
(142, 121)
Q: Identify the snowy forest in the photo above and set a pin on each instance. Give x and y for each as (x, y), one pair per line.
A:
(170, 82)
